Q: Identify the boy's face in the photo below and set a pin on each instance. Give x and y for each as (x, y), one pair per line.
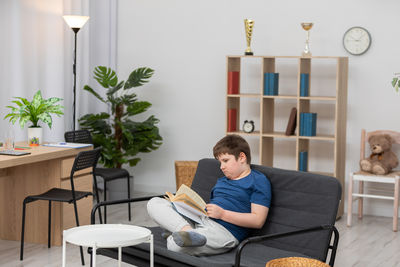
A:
(233, 168)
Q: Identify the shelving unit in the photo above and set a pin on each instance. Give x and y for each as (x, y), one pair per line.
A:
(327, 97)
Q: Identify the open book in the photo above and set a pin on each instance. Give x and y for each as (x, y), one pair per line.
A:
(188, 203)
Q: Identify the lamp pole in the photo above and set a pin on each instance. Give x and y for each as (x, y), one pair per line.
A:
(74, 72)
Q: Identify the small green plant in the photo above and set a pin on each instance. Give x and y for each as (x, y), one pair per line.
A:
(38, 109)
(396, 82)
(120, 137)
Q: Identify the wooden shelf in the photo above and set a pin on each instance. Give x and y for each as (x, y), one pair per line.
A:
(267, 123)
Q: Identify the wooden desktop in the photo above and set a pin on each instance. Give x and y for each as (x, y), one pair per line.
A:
(45, 168)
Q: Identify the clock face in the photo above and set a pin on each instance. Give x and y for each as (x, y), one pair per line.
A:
(357, 40)
(248, 126)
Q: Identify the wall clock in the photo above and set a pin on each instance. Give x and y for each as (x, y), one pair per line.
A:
(357, 40)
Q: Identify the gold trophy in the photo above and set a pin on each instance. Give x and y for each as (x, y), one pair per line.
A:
(248, 26)
(307, 27)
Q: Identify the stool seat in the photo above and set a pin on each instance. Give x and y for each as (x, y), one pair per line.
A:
(296, 262)
(110, 174)
(60, 195)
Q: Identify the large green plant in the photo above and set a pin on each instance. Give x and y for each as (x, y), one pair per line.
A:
(121, 137)
(38, 109)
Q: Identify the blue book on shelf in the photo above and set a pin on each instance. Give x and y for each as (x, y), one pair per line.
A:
(304, 84)
(266, 83)
(273, 83)
(303, 161)
(310, 124)
(302, 123)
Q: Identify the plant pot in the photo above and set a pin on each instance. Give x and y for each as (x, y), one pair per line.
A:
(35, 136)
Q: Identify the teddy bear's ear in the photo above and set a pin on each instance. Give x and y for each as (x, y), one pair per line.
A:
(389, 138)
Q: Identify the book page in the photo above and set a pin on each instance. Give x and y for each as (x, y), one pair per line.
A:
(188, 211)
(184, 189)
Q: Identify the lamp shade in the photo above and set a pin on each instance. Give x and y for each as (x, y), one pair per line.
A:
(76, 22)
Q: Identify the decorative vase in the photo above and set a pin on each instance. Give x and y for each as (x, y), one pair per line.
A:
(35, 136)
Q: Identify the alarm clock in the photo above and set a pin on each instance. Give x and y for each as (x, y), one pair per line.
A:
(248, 126)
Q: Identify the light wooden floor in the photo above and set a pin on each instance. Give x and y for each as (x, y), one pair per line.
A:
(369, 242)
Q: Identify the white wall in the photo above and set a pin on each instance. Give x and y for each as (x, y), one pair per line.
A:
(186, 42)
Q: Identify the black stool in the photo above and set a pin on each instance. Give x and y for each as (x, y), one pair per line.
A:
(84, 159)
(108, 174)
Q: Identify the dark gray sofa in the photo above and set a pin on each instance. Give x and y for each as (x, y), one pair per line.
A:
(300, 222)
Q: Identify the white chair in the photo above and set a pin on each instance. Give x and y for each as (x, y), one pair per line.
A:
(361, 176)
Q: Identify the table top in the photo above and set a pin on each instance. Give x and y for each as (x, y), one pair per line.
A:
(107, 235)
(38, 153)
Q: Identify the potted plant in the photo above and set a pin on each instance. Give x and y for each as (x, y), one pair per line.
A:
(120, 137)
(38, 109)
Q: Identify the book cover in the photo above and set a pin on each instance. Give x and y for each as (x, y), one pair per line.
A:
(303, 161)
(188, 203)
(310, 124)
(313, 120)
(232, 120)
(233, 82)
(266, 84)
(291, 126)
(275, 89)
(304, 84)
(302, 124)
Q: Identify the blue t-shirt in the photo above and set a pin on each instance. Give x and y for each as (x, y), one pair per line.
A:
(237, 195)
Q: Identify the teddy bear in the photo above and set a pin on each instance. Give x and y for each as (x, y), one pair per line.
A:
(382, 160)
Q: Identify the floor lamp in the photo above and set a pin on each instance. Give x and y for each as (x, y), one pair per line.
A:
(75, 23)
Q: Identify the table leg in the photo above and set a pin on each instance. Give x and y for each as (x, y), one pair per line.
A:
(64, 250)
(94, 255)
(119, 256)
(151, 251)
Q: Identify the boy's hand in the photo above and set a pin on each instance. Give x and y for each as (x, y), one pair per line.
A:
(214, 211)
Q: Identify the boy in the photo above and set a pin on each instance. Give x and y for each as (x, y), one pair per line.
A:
(239, 201)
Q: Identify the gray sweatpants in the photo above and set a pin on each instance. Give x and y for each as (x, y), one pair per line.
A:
(219, 239)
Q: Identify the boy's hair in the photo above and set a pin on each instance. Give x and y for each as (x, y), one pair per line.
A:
(232, 144)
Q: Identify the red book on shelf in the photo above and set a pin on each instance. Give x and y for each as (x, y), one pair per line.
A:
(233, 82)
(231, 120)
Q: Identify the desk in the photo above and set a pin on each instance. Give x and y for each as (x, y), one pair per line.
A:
(44, 168)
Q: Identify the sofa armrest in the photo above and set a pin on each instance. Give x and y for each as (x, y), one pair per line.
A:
(301, 231)
(115, 202)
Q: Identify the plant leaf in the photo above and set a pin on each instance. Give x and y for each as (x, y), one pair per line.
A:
(90, 90)
(138, 77)
(105, 76)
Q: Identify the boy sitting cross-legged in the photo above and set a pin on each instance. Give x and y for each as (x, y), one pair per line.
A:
(239, 201)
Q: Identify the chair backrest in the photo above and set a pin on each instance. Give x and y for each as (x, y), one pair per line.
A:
(365, 136)
(299, 200)
(78, 136)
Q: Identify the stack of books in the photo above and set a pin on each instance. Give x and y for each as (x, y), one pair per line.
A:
(303, 161)
(232, 119)
(271, 83)
(308, 124)
(304, 84)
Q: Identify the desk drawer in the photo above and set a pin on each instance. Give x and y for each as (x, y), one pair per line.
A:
(66, 166)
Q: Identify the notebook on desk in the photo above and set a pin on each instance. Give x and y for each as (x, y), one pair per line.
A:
(14, 153)
(67, 145)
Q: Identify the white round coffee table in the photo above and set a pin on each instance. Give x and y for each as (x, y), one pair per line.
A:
(107, 236)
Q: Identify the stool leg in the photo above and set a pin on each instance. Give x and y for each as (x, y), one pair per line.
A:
(105, 199)
(396, 204)
(64, 250)
(49, 227)
(77, 224)
(129, 196)
(21, 255)
(350, 200)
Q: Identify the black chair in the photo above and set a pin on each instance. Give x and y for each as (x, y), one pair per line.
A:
(84, 159)
(108, 174)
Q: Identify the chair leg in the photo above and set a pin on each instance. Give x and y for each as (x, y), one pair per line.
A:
(129, 196)
(360, 199)
(49, 227)
(105, 199)
(97, 197)
(350, 200)
(77, 224)
(396, 204)
(21, 255)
